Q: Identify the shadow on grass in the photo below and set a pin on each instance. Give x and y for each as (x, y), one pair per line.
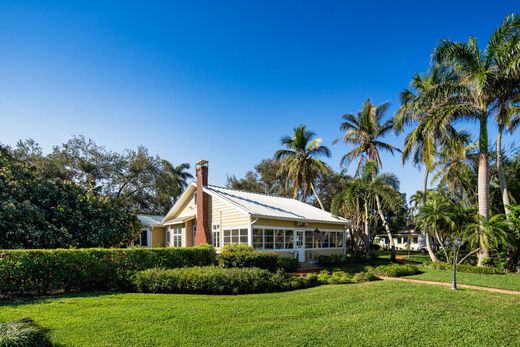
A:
(20, 301)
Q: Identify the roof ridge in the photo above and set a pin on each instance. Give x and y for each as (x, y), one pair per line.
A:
(263, 194)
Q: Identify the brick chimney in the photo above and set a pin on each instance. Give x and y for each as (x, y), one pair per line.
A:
(202, 235)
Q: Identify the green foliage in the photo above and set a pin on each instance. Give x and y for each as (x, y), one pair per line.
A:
(214, 280)
(287, 264)
(23, 333)
(465, 268)
(27, 272)
(37, 213)
(244, 256)
(334, 277)
(394, 270)
(363, 276)
(331, 260)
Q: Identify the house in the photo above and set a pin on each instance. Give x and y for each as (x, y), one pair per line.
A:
(207, 214)
(152, 233)
(407, 239)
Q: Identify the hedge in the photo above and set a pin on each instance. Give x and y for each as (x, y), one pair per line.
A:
(216, 280)
(393, 270)
(24, 272)
(23, 333)
(244, 256)
(485, 270)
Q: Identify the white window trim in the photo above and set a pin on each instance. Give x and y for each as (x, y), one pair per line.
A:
(343, 234)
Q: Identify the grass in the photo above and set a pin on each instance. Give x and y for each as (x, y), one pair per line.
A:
(373, 313)
(505, 281)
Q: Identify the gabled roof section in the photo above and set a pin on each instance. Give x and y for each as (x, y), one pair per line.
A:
(267, 206)
(150, 220)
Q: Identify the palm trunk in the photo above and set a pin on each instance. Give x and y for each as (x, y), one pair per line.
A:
(442, 246)
(387, 228)
(500, 170)
(316, 196)
(483, 182)
(469, 254)
(367, 234)
(433, 257)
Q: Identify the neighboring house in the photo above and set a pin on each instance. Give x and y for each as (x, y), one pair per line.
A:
(404, 240)
(152, 234)
(207, 214)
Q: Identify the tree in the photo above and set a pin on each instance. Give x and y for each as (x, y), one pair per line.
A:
(300, 161)
(473, 93)
(435, 215)
(483, 233)
(364, 131)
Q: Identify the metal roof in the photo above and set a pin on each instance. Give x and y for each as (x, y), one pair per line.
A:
(150, 220)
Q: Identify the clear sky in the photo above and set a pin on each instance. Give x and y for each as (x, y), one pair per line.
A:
(218, 80)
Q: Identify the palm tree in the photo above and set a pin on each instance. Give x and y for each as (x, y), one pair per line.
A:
(483, 233)
(472, 94)
(435, 215)
(364, 131)
(300, 161)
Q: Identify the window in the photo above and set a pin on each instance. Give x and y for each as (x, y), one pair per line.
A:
(216, 236)
(174, 237)
(415, 239)
(284, 239)
(143, 238)
(235, 236)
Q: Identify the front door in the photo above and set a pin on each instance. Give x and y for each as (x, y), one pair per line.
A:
(299, 244)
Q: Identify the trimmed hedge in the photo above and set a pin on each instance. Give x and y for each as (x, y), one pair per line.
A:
(215, 280)
(287, 264)
(244, 256)
(24, 272)
(23, 333)
(484, 270)
(393, 270)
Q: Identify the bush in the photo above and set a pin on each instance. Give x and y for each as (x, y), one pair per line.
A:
(465, 268)
(334, 277)
(331, 260)
(215, 280)
(287, 264)
(24, 272)
(244, 256)
(394, 270)
(363, 277)
(23, 333)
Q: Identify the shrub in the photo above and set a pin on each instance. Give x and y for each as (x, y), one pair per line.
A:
(334, 277)
(465, 268)
(215, 280)
(23, 333)
(25, 272)
(244, 256)
(363, 277)
(287, 264)
(331, 260)
(394, 270)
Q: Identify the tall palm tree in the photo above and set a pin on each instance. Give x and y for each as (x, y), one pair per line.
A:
(300, 160)
(364, 130)
(474, 92)
(486, 232)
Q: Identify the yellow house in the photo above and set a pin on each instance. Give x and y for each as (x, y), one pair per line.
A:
(220, 216)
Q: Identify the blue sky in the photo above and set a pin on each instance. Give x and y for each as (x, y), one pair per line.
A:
(217, 80)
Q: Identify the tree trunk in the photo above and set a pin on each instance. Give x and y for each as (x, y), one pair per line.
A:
(387, 228)
(432, 255)
(442, 246)
(316, 196)
(469, 254)
(500, 170)
(483, 182)
(367, 234)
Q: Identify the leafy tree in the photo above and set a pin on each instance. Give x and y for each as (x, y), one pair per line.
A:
(300, 161)
(265, 179)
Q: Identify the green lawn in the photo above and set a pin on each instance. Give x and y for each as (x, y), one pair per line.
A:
(374, 313)
(505, 281)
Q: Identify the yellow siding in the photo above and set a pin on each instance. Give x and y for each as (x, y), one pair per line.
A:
(226, 215)
(188, 234)
(188, 209)
(158, 237)
(294, 224)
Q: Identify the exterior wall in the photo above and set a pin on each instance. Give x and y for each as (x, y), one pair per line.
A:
(188, 209)
(157, 237)
(226, 215)
(188, 233)
(275, 223)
